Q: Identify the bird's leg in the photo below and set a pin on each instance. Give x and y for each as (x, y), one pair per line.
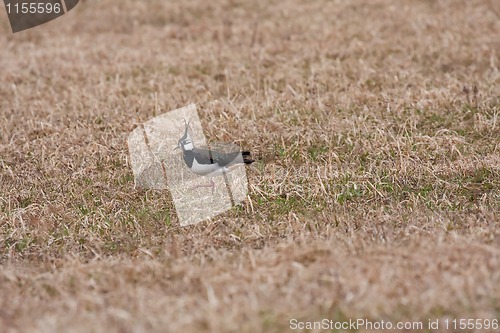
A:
(212, 185)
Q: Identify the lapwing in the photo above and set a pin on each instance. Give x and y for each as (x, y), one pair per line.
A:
(208, 162)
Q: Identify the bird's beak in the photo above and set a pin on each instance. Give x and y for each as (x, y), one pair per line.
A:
(177, 147)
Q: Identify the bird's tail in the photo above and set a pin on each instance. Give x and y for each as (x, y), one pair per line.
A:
(246, 157)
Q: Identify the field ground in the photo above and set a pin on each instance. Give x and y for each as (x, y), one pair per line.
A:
(377, 188)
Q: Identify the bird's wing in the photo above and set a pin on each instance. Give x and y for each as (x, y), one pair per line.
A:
(207, 156)
(203, 156)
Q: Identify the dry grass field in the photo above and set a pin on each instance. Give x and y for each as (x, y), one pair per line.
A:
(376, 194)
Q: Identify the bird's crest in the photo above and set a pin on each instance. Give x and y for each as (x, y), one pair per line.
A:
(185, 141)
(186, 124)
(186, 134)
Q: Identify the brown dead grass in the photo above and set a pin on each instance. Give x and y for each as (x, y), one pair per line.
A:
(376, 194)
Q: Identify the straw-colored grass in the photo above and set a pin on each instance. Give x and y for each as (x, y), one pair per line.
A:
(376, 128)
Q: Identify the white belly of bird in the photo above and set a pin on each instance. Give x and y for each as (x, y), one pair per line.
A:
(209, 170)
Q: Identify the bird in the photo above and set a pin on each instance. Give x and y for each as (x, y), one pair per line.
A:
(208, 162)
